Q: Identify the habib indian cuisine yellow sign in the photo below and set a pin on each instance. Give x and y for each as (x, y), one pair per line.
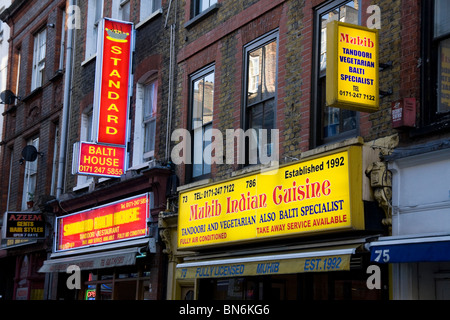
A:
(352, 67)
(318, 195)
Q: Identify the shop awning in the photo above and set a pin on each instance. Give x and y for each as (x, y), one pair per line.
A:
(410, 249)
(117, 258)
(320, 260)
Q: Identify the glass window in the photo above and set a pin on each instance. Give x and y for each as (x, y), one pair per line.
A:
(148, 7)
(40, 41)
(441, 18)
(149, 118)
(260, 92)
(444, 76)
(30, 178)
(332, 123)
(63, 39)
(202, 5)
(124, 10)
(145, 120)
(435, 65)
(202, 106)
(85, 135)
(441, 39)
(95, 14)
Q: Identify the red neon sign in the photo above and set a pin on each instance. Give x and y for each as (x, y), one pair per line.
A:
(101, 160)
(119, 221)
(113, 65)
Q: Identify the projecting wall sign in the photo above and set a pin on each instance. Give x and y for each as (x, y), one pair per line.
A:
(352, 67)
(112, 76)
(106, 155)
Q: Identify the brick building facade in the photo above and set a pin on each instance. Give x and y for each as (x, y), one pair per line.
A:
(35, 75)
(147, 165)
(202, 68)
(222, 43)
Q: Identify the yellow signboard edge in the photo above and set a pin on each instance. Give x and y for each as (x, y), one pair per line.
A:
(356, 188)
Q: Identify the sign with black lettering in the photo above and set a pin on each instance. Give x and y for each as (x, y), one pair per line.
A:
(352, 67)
(25, 225)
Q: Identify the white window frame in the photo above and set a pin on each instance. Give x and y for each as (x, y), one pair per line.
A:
(201, 124)
(202, 5)
(93, 19)
(63, 40)
(147, 8)
(30, 176)
(39, 51)
(117, 10)
(85, 135)
(140, 157)
(124, 7)
(19, 59)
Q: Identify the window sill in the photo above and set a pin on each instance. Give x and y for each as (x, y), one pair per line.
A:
(433, 128)
(149, 18)
(85, 185)
(144, 165)
(202, 16)
(87, 60)
(32, 94)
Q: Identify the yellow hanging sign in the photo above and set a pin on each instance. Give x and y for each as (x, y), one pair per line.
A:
(352, 67)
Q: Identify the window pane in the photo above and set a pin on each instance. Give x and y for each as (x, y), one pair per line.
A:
(441, 17)
(202, 105)
(89, 126)
(207, 156)
(149, 116)
(98, 10)
(208, 89)
(149, 143)
(256, 117)
(269, 114)
(30, 177)
(349, 12)
(198, 152)
(261, 73)
(204, 5)
(197, 104)
(444, 77)
(125, 11)
(331, 121)
(325, 19)
(42, 42)
(156, 5)
(348, 120)
(334, 120)
(150, 99)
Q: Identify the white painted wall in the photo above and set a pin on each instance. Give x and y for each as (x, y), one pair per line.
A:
(421, 194)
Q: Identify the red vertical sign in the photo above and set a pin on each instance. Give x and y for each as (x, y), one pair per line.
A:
(114, 65)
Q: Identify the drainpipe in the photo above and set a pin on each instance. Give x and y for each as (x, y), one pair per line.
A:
(65, 111)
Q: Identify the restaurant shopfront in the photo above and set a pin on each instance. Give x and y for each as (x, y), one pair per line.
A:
(296, 232)
(109, 251)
